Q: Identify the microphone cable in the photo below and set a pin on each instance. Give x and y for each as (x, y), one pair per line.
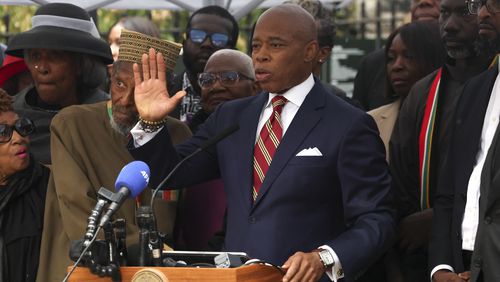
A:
(81, 255)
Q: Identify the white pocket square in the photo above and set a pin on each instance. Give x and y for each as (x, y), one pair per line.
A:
(309, 152)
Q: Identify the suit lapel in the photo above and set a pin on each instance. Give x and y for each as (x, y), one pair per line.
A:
(304, 121)
(469, 124)
(248, 128)
(489, 174)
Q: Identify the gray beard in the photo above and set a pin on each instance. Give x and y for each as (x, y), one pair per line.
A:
(460, 54)
(122, 129)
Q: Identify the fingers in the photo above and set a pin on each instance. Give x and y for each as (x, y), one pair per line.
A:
(300, 267)
(291, 269)
(137, 74)
(464, 275)
(145, 66)
(177, 98)
(162, 74)
(152, 64)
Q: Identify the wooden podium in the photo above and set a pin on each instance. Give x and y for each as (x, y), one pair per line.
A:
(253, 272)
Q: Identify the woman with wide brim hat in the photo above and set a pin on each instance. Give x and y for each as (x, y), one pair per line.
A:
(67, 60)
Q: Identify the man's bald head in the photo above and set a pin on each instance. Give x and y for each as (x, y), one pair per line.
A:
(238, 60)
(294, 16)
(284, 46)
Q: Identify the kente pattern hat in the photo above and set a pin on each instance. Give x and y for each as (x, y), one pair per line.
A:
(11, 66)
(134, 44)
(61, 26)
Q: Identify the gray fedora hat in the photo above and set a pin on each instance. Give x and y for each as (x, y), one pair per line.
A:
(61, 26)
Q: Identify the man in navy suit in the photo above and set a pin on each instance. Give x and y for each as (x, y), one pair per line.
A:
(323, 206)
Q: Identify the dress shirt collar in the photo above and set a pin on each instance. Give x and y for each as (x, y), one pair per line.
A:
(297, 94)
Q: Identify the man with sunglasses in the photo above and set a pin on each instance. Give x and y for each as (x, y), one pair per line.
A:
(305, 175)
(465, 232)
(208, 29)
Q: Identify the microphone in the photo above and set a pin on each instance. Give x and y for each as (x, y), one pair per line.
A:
(104, 196)
(143, 216)
(133, 178)
(156, 246)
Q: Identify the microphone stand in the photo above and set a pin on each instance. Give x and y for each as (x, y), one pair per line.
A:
(113, 268)
(121, 244)
(144, 222)
(154, 240)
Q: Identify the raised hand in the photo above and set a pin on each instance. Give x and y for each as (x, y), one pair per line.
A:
(151, 95)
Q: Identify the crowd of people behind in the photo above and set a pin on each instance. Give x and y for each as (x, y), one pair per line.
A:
(394, 184)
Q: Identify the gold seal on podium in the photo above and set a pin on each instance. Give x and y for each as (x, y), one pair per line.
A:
(149, 275)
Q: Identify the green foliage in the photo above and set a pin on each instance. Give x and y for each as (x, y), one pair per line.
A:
(15, 19)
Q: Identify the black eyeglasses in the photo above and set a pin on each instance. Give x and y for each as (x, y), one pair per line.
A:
(217, 39)
(23, 126)
(474, 6)
(226, 78)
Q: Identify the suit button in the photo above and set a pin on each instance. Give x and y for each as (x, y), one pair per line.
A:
(478, 263)
(488, 220)
(252, 219)
(457, 234)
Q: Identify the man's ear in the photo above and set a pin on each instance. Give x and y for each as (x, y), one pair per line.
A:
(311, 51)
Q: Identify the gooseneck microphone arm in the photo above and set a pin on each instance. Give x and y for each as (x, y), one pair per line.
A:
(207, 144)
(154, 240)
(82, 254)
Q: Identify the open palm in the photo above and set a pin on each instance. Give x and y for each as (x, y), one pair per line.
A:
(151, 96)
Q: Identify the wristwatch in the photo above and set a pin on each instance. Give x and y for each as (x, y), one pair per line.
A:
(326, 258)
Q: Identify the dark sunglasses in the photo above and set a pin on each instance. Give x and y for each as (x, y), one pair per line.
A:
(474, 6)
(226, 78)
(218, 39)
(23, 126)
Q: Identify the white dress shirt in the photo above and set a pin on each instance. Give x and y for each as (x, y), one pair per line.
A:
(295, 96)
(470, 221)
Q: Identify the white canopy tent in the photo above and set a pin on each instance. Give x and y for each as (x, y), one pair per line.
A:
(239, 8)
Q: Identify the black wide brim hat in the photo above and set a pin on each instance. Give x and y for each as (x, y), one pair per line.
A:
(52, 32)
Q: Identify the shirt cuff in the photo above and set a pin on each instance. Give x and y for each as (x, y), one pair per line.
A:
(140, 136)
(441, 267)
(336, 272)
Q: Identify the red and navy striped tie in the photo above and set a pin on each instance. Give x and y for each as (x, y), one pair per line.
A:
(267, 142)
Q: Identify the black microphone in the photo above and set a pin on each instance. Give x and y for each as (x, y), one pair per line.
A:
(104, 196)
(143, 215)
(156, 247)
(133, 178)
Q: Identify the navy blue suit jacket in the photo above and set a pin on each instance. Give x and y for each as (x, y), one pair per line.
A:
(340, 198)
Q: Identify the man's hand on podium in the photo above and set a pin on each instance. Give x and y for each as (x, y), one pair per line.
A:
(303, 267)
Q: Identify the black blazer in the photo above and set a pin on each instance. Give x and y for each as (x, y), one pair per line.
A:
(446, 238)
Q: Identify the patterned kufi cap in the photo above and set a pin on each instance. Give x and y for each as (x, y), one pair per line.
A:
(134, 44)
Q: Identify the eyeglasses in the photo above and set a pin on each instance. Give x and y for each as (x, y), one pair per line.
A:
(474, 6)
(23, 126)
(198, 36)
(226, 78)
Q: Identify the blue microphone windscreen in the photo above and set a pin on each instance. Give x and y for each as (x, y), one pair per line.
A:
(134, 176)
